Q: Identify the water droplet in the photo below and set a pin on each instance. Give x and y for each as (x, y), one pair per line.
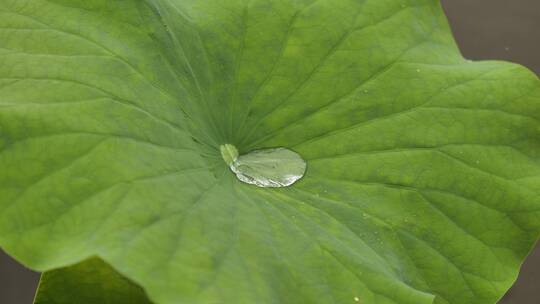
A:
(277, 167)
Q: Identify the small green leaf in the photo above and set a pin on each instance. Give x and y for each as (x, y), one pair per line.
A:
(89, 282)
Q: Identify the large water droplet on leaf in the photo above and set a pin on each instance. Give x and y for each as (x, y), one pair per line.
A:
(277, 167)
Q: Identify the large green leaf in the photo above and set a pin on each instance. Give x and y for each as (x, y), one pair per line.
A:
(423, 173)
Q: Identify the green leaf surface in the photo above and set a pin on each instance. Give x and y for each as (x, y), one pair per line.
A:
(89, 282)
(423, 169)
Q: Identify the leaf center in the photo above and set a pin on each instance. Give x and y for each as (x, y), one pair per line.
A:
(229, 153)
